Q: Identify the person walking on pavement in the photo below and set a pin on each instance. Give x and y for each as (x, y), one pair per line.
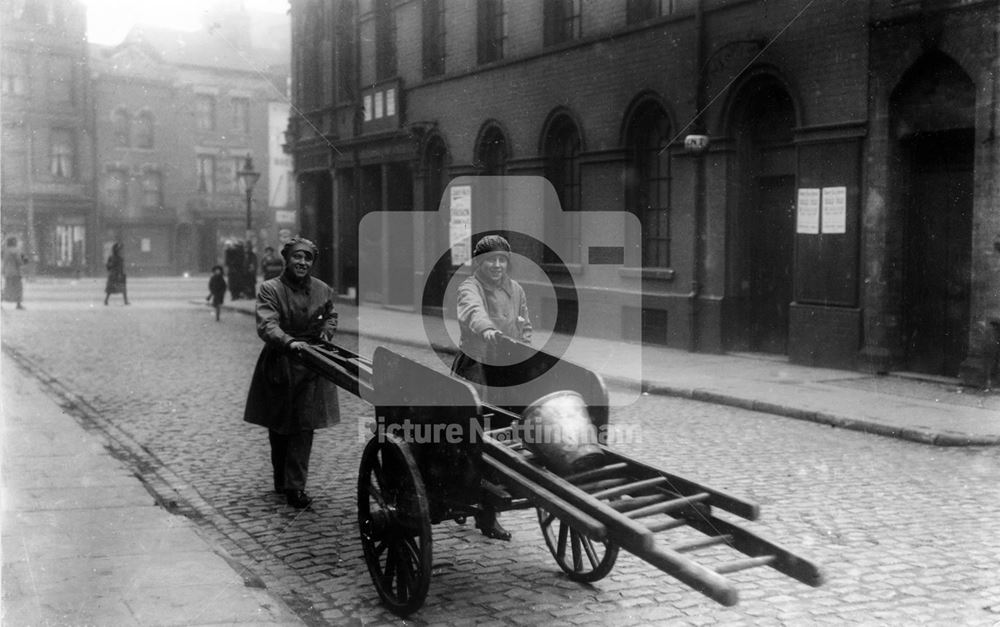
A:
(217, 290)
(271, 264)
(293, 310)
(116, 274)
(490, 304)
(13, 261)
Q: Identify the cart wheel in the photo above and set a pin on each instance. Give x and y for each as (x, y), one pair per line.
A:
(581, 558)
(395, 524)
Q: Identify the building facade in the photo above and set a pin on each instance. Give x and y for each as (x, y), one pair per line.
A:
(178, 114)
(813, 180)
(47, 193)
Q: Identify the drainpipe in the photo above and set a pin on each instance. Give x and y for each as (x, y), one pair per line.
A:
(697, 253)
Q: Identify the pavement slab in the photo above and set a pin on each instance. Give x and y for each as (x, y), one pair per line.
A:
(85, 543)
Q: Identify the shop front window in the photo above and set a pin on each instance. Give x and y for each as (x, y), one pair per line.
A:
(70, 245)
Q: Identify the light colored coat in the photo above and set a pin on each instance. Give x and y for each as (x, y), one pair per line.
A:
(479, 311)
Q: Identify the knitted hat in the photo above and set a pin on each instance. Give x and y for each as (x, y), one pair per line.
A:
(491, 244)
(298, 243)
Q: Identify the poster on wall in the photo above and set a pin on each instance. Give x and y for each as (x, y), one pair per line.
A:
(280, 177)
(834, 212)
(460, 231)
(807, 214)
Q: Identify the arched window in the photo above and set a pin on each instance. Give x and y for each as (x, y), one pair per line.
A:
(144, 130)
(562, 169)
(492, 152)
(122, 131)
(647, 190)
(491, 158)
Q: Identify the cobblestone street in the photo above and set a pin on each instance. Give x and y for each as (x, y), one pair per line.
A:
(905, 533)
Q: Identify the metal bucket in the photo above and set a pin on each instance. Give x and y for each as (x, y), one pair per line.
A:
(557, 428)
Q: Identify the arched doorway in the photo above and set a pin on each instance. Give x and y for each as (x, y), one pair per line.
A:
(763, 227)
(932, 116)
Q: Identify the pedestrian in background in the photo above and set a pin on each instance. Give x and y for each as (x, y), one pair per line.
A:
(13, 261)
(271, 264)
(251, 270)
(216, 290)
(293, 310)
(490, 304)
(116, 274)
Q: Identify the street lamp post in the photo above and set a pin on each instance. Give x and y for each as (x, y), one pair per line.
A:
(249, 177)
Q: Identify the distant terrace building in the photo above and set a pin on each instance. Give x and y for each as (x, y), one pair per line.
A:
(47, 164)
(843, 214)
(177, 114)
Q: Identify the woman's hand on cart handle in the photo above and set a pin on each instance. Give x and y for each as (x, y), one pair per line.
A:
(492, 336)
(296, 346)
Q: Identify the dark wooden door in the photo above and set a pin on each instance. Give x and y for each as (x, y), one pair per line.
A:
(399, 197)
(768, 271)
(939, 241)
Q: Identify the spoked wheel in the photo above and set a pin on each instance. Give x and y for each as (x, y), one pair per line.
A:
(395, 524)
(581, 558)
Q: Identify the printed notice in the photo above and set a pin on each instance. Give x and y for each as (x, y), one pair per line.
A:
(460, 242)
(807, 218)
(834, 210)
(461, 201)
(460, 231)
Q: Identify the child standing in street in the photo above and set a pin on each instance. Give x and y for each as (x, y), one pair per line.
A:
(217, 290)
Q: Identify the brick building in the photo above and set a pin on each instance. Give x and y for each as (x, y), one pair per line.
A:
(177, 114)
(47, 166)
(842, 213)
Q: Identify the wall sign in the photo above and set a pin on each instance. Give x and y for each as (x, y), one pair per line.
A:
(807, 214)
(460, 227)
(834, 212)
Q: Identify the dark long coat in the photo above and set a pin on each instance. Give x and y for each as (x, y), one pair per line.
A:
(285, 396)
(116, 274)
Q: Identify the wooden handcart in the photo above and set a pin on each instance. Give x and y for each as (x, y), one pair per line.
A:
(440, 453)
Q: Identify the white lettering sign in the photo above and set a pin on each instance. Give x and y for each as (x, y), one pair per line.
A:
(807, 220)
(461, 200)
(834, 210)
(460, 236)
